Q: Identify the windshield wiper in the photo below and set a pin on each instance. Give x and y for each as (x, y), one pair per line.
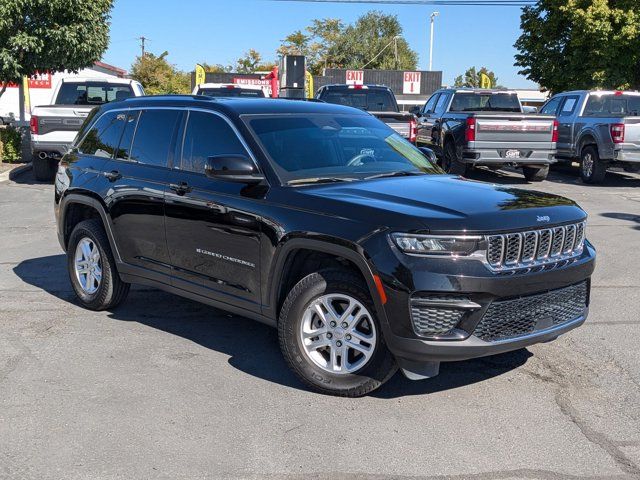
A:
(300, 181)
(398, 173)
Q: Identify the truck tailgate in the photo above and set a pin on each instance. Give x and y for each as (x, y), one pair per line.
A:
(399, 121)
(60, 118)
(632, 132)
(515, 129)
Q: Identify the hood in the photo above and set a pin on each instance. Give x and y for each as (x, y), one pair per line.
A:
(442, 203)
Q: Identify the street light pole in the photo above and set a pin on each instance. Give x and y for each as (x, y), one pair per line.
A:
(433, 16)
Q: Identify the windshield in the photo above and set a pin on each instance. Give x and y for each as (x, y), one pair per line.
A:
(485, 102)
(369, 100)
(92, 93)
(612, 104)
(335, 147)
(231, 92)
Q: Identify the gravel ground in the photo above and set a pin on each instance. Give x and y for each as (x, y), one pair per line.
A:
(167, 388)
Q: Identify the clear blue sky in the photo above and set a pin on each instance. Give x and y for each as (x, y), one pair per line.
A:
(217, 31)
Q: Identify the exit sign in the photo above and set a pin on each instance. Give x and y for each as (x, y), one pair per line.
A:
(355, 77)
(411, 83)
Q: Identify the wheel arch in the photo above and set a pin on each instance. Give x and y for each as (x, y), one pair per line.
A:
(587, 138)
(299, 257)
(76, 207)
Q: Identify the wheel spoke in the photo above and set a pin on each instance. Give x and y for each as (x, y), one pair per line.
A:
(359, 347)
(321, 342)
(86, 250)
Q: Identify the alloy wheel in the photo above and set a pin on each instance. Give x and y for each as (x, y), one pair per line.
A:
(587, 165)
(88, 265)
(338, 334)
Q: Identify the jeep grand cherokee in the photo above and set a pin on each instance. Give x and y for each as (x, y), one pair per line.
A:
(321, 221)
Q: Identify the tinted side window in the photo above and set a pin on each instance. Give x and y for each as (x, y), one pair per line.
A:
(552, 106)
(430, 105)
(103, 137)
(154, 136)
(207, 135)
(125, 143)
(442, 103)
(569, 106)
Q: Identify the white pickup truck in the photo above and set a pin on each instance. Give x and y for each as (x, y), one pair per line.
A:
(54, 127)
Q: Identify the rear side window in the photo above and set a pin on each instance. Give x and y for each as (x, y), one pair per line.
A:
(207, 135)
(124, 150)
(569, 106)
(442, 103)
(154, 136)
(91, 93)
(103, 137)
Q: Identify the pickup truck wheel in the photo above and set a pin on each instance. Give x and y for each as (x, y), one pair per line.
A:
(450, 161)
(536, 174)
(92, 270)
(330, 337)
(592, 169)
(44, 169)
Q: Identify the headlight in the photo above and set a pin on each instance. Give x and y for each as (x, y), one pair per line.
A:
(446, 245)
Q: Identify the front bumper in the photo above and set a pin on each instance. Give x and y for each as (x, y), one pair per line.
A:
(471, 281)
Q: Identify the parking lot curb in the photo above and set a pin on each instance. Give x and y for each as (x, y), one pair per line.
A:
(12, 174)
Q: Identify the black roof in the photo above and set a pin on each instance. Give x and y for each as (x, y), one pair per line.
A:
(355, 87)
(237, 106)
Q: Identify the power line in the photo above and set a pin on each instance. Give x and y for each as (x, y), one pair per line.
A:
(474, 3)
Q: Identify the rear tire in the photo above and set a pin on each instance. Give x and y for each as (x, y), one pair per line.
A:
(450, 161)
(44, 170)
(350, 373)
(592, 169)
(536, 174)
(92, 269)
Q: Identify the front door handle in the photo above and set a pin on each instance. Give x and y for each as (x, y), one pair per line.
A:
(180, 188)
(113, 175)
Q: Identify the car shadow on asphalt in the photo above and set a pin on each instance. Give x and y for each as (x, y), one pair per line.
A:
(629, 217)
(563, 174)
(251, 346)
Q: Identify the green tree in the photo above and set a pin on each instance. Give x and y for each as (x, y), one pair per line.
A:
(216, 68)
(471, 78)
(373, 41)
(252, 62)
(158, 76)
(581, 44)
(51, 35)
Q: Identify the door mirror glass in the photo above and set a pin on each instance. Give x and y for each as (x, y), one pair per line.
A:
(415, 110)
(233, 168)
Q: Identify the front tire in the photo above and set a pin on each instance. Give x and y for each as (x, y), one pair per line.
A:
(536, 174)
(450, 161)
(592, 169)
(92, 269)
(330, 336)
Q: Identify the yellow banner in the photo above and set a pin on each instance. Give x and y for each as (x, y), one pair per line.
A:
(27, 95)
(309, 85)
(200, 74)
(485, 81)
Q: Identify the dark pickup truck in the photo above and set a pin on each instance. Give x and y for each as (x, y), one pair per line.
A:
(469, 127)
(320, 221)
(378, 100)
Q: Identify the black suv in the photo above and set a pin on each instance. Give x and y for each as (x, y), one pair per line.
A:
(321, 221)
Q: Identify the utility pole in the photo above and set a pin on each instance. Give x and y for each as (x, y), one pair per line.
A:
(142, 40)
(396, 48)
(433, 16)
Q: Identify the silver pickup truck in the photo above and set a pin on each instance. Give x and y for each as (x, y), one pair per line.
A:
(468, 127)
(600, 129)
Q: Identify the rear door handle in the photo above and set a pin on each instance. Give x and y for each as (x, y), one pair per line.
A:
(180, 188)
(113, 175)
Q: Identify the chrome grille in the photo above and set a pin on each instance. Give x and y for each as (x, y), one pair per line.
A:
(512, 318)
(535, 247)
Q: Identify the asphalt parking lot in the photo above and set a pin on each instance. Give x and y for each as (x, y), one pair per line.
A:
(164, 387)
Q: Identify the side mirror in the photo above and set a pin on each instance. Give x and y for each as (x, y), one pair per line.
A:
(233, 168)
(415, 110)
(431, 156)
